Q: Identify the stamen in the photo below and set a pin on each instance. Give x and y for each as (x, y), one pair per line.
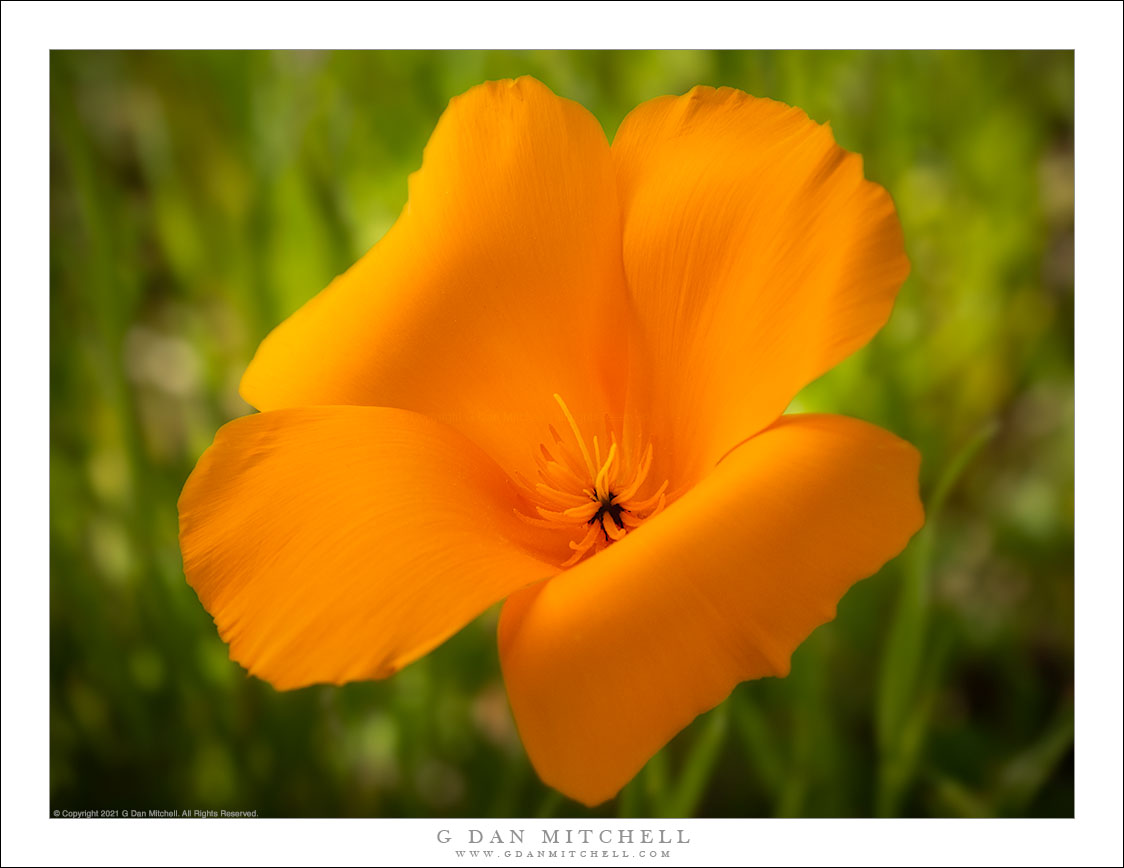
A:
(558, 475)
(590, 498)
(599, 483)
(581, 549)
(631, 521)
(577, 434)
(535, 522)
(589, 539)
(641, 475)
(560, 498)
(613, 530)
(584, 512)
(577, 515)
(644, 505)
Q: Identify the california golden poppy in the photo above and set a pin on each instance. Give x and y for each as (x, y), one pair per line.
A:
(559, 380)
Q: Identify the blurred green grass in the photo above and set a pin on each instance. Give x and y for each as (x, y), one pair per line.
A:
(199, 198)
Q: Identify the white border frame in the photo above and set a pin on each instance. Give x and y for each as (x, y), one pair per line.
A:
(31, 30)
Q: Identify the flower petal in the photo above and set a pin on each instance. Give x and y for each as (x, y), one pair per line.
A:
(500, 284)
(338, 543)
(608, 661)
(757, 258)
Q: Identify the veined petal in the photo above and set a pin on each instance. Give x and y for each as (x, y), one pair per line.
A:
(606, 662)
(337, 543)
(500, 284)
(757, 258)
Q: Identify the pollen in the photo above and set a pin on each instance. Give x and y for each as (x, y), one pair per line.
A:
(594, 496)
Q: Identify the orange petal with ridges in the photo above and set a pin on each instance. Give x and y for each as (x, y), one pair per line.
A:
(500, 284)
(608, 661)
(757, 258)
(338, 543)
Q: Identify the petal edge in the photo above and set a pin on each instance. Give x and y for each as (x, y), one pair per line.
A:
(339, 543)
(607, 662)
(757, 256)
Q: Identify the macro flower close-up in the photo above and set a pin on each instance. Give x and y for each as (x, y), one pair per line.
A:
(559, 382)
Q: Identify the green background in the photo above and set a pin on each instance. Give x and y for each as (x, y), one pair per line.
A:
(199, 198)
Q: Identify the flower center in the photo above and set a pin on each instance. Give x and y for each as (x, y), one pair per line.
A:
(594, 496)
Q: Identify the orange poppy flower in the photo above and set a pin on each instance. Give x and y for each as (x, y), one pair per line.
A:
(559, 380)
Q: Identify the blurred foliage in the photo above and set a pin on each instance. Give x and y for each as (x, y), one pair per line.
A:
(199, 198)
